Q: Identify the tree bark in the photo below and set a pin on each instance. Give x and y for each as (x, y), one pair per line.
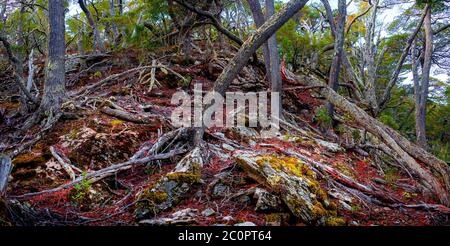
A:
(275, 77)
(112, 13)
(333, 80)
(350, 72)
(96, 42)
(423, 96)
(249, 47)
(258, 18)
(54, 88)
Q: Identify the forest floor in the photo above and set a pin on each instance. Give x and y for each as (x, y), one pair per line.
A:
(226, 192)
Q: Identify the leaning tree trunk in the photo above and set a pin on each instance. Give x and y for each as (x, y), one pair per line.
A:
(405, 150)
(248, 48)
(421, 108)
(54, 89)
(392, 81)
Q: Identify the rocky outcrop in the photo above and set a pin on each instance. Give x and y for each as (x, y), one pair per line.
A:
(293, 181)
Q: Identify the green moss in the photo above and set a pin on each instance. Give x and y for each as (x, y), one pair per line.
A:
(322, 117)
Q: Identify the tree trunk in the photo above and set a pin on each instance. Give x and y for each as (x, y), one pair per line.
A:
(96, 42)
(259, 19)
(387, 92)
(333, 80)
(54, 88)
(350, 72)
(112, 13)
(275, 77)
(249, 47)
(422, 106)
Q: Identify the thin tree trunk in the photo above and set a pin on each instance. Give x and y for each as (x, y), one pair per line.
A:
(417, 87)
(422, 107)
(54, 88)
(258, 18)
(30, 71)
(387, 92)
(112, 13)
(350, 72)
(275, 77)
(333, 80)
(249, 47)
(96, 42)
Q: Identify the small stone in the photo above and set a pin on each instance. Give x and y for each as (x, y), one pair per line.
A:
(251, 143)
(228, 147)
(247, 223)
(228, 218)
(220, 190)
(266, 201)
(208, 212)
(333, 147)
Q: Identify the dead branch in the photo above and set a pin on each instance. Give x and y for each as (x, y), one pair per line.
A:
(107, 172)
(5, 170)
(123, 115)
(63, 163)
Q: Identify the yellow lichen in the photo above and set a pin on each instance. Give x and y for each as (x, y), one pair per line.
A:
(155, 196)
(184, 177)
(289, 165)
(335, 221)
(116, 122)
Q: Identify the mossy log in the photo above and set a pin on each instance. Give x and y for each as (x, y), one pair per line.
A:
(295, 183)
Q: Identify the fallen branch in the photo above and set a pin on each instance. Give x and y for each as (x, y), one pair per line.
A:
(63, 163)
(5, 170)
(123, 115)
(106, 172)
(90, 88)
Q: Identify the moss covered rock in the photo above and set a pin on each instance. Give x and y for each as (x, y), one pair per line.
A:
(295, 183)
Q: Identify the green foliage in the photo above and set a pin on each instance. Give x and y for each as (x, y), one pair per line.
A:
(322, 117)
(80, 190)
(389, 120)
